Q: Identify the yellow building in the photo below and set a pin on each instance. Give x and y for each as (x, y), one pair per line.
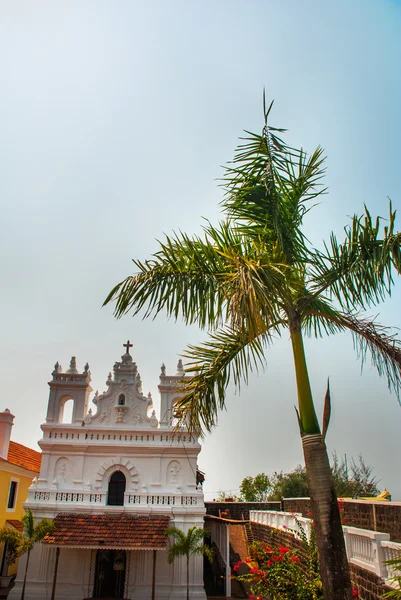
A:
(18, 466)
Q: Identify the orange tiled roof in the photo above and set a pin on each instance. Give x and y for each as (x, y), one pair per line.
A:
(114, 532)
(24, 457)
(16, 524)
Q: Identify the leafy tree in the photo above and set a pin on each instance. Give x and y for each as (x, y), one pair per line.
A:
(187, 545)
(14, 545)
(33, 533)
(354, 478)
(227, 497)
(255, 489)
(19, 543)
(256, 276)
(290, 485)
(351, 479)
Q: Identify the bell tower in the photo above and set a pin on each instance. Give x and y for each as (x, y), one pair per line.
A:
(169, 388)
(69, 385)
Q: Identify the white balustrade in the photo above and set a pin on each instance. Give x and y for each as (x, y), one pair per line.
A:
(131, 499)
(391, 551)
(367, 549)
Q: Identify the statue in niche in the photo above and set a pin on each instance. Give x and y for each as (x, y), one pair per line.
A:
(173, 470)
(61, 471)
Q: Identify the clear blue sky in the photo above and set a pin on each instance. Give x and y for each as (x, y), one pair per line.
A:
(114, 119)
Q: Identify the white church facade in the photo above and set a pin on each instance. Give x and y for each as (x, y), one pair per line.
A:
(113, 480)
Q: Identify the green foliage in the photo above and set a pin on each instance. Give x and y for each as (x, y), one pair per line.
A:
(354, 478)
(283, 574)
(290, 485)
(20, 542)
(189, 544)
(255, 489)
(35, 533)
(15, 543)
(396, 565)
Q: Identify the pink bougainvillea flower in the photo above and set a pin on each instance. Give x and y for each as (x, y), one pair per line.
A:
(295, 558)
(284, 526)
(283, 549)
(355, 594)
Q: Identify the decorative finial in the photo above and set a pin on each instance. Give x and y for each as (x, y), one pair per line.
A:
(128, 345)
(180, 368)
(73, 365)
(57, 368)
(163, 370)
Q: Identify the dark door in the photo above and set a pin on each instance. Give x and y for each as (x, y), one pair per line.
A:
(110, 574)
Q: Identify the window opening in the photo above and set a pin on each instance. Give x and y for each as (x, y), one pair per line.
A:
(12, 494)
(66, 411)
(116, 490)
(121, 400)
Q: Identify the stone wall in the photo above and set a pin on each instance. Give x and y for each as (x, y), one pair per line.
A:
(369, 586)
(376, 516)
(238, 510)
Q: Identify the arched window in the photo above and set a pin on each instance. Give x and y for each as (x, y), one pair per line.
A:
(66, 411)
(121, 400)
(117, 483)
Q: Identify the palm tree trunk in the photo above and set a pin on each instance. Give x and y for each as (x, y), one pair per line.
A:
(26, 573)
(187, 577)
(334, 569)
(53, 596)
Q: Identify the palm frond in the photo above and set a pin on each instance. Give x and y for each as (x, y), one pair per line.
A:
(268, 186)
(226, 277)
(359, 271)
(227, 355)
(370, 339)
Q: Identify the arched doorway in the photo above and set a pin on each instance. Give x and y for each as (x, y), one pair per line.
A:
(117, 483)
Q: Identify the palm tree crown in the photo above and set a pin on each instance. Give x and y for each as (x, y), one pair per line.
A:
(189, 544)
(256, 274)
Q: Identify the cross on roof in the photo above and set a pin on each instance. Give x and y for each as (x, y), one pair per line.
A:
(128, 346)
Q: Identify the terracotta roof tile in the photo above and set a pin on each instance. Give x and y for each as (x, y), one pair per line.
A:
(119, 531)
(16, 524)
(25, 457)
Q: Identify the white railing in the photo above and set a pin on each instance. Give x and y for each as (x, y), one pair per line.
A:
(367, 549)
(162, 437)
(100, 498)
(55, 497)
(165, 500)
(391, 550)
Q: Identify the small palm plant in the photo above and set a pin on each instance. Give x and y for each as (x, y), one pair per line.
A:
(31, 534)
(396, 580)
(188, 544)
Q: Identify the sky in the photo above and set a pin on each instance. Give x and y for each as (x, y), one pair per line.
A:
(115, 119)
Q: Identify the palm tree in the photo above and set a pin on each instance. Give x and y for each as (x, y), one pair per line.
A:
(256, 276)
(187, 545)
(31, 534)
